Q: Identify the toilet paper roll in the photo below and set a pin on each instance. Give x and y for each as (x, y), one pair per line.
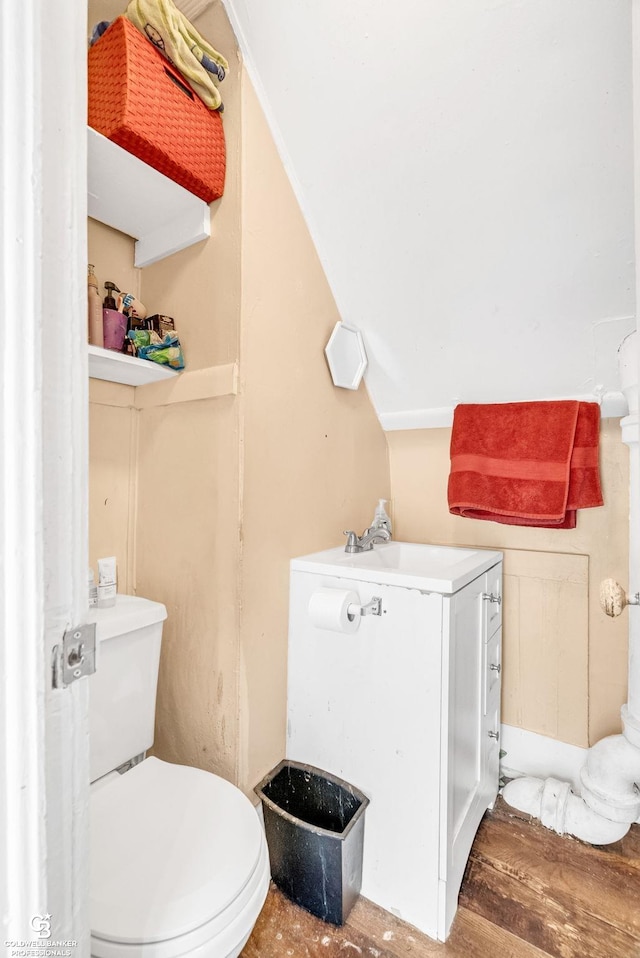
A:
(329, 609)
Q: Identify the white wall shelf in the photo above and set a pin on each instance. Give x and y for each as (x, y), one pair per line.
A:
(132, 197)
(128, 370)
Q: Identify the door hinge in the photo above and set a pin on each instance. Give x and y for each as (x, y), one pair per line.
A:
(75, 657)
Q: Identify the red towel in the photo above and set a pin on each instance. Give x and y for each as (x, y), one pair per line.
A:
(525, 464)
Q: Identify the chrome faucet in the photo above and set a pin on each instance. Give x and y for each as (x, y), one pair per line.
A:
(364, 543)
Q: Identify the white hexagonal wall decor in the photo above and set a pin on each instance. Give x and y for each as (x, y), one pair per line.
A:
(346, 356)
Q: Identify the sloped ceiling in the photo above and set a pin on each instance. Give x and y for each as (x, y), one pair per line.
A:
(465, 169)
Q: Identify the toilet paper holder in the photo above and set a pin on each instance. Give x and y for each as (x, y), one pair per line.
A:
(373, 607)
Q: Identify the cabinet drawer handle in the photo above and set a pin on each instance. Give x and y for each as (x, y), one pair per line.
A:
(496, 668)
(495, 735)
(490, 597)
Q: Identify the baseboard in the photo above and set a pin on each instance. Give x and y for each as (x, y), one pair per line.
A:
(528, 753)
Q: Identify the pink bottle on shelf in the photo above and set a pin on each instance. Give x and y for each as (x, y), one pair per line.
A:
(114, 324)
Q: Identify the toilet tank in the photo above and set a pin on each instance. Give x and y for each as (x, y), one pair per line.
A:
(122, 692)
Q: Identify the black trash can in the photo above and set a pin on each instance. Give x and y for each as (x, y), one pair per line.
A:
(314, 823)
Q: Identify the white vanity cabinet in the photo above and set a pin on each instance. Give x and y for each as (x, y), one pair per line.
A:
(407, 708)
(471, 668)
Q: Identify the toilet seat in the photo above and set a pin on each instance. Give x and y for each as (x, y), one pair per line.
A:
(179, 864)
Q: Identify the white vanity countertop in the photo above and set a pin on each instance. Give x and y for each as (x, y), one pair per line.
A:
(411, 565)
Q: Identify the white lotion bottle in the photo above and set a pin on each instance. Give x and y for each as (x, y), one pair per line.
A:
(380, 518)
(106, 582)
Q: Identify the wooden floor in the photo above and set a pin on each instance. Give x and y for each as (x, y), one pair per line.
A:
(527, 893)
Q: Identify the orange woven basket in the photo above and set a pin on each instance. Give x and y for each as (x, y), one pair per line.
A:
(141, 102)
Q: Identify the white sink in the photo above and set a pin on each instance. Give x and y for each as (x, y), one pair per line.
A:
(409, 564)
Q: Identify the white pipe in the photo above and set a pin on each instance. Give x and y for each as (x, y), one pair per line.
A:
(608, 779)
(559, 809)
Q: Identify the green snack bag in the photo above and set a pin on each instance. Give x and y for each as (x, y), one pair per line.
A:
(167, 353)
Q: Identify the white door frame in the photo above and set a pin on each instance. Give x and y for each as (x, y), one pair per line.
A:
(43, 481)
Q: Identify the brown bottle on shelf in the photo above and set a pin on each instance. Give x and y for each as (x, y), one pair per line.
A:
(96, 336)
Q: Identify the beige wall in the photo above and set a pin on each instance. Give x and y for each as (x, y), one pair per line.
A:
(314, 457)
(586, 664)
(187, 533)
(112, 478)
(187, 553)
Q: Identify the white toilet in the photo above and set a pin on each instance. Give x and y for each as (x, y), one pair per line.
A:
(179, 861)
